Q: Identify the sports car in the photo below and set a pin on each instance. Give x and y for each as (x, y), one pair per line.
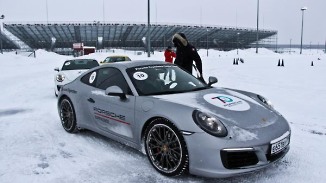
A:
(181, 123)
(70, 70)
(115, 58)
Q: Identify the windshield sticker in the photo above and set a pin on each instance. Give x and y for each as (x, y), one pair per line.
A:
(92, 78)
(67, 63)
(155, 66)
(140, 75)
(227, 102)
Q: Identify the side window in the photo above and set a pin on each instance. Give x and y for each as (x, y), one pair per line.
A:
(90, 78)
(111, 77)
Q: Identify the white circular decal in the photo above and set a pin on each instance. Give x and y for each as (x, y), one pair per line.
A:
(140, 75)
(227, 102)
(92, 78)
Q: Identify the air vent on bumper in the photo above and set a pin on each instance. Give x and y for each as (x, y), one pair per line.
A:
(238, 158)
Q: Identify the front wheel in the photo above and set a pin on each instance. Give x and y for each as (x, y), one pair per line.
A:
(68, 116)
(166, 148)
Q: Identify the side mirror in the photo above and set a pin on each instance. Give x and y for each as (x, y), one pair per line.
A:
(212, 80)
(115, 91)
(57, 69)
(101, 62)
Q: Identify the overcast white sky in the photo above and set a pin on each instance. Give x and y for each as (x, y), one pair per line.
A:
(284, 16)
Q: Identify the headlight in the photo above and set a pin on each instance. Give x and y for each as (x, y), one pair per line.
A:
(60, 77)
(209, 124)
(267, 102)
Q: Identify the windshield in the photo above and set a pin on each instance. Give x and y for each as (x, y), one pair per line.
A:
(116, 59)
(163, 79)
(79, 64)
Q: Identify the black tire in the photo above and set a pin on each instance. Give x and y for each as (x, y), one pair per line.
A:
(68, 116)
(165, 148)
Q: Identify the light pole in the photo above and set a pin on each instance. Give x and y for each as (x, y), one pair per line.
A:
(47, 11)
(302, 9)
(238, 43)
(257, 37)
(1, 17)
(207, 41)
(103, 11)
(290, 45)
(148, 31)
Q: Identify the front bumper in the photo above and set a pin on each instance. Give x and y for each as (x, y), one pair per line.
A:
(57, 89)
(222, 157)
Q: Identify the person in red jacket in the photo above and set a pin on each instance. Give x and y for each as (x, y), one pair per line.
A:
(169, 55)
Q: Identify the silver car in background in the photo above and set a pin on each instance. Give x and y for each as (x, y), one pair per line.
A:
(180, 123)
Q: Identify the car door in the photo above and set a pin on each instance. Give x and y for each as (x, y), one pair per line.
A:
(111, 113)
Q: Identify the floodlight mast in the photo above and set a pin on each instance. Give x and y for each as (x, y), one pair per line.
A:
(148, 31)
(207, 41)
(1, 25)
(238, 43)
(257, 37)
(302, 9)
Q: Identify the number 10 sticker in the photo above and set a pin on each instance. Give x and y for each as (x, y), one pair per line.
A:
(140, 75)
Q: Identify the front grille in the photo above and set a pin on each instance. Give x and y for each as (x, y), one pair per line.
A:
(233, 160)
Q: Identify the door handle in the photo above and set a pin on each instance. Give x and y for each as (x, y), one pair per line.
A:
(91, 100)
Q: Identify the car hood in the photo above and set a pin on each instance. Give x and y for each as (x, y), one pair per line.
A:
(72, 74)
(231, 107)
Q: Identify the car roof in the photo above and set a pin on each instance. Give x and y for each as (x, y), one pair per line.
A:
(117, 56)
(78, 59)
(134, 63)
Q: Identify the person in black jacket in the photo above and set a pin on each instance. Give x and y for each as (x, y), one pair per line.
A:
(186, 54)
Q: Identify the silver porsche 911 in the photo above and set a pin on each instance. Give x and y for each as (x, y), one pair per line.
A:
(179, 122)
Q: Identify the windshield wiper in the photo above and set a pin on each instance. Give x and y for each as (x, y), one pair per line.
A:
(200, 88)
(165, 92)
(180, 91)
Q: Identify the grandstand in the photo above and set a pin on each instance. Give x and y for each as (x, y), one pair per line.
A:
(7, 43)
(54, 36)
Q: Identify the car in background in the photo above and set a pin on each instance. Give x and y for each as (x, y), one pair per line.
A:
(115, 58)
(181, 123)
(70, 70)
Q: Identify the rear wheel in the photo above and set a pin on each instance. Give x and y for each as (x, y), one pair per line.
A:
(166, 148)
(68, 116)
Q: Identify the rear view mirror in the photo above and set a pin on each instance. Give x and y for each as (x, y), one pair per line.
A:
(57, 69)
(115, 91)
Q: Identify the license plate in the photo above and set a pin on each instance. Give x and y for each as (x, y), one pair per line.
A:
(280, 143)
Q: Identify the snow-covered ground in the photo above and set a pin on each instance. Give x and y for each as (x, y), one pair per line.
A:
(35, 148)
